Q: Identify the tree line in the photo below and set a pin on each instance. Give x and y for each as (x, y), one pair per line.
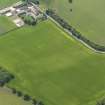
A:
(26, 97)
(74, 32)
(6, 77)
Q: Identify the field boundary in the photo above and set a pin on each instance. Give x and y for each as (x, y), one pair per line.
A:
(69, 33)
(11, 30)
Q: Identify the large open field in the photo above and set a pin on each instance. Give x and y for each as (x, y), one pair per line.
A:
(88, 16)
(53, 67)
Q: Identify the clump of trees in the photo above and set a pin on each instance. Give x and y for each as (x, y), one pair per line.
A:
(34, 1)
(74, 32)
(29, 20)
(5, 76)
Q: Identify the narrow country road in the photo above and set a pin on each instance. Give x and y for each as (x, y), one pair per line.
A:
(65, 30)
(70, 33)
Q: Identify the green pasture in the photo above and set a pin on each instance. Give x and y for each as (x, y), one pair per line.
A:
(52, 67)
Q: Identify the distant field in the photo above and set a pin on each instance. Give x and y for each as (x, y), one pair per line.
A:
(7, 98)
(5, 3)
(6, 24)
(88, 16)
(53, 67)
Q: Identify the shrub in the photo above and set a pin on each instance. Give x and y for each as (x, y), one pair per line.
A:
(27, 97)
(2, 83)
(19, 93)
(34, 102)
(14, 90)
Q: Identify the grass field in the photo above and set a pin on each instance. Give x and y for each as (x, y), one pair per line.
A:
(6, 24)
(52, 67)
(88, 16)
(7, 98)
(5, 3)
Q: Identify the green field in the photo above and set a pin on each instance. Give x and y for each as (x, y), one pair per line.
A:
(88, 16)
(7, 98)
(5, 3)
(6, 24)
(53, 67)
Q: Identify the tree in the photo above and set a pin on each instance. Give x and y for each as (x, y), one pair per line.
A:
(34, 101)
(40, 103)
(70, 1)
(19, 93)
(35, 2)
(13, 90)
(27, 97)
(25, 1)
(71, 10)
(7, 79)
(29, 20)
(2, 83)
(12, 76)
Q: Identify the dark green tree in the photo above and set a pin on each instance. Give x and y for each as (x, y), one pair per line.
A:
(70, 1)
(27, 97)
(19, 93)
(13, 90)
(34, 102)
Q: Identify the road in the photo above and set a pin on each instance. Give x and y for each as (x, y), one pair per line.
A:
(70, 33)
(65, 30)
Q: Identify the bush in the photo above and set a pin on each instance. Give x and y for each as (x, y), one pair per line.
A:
(12, 76)
(5, 77)
(29, 20)
(34, 102)
(35, 2)
(40, 103)
(13, 90)
(19, 93)
(2, 83)
(27, 97)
